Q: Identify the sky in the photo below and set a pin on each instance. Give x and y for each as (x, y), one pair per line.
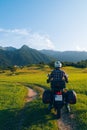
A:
(44, 24)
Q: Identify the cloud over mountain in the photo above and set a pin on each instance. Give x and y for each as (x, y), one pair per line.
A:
(19, 37)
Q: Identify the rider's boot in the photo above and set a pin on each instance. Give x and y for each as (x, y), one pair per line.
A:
(67, 108)
(50, 107)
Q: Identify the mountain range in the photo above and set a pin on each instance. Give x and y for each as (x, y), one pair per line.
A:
(10, 56)
(66, 56)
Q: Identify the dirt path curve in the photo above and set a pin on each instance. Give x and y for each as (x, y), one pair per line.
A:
(66, 121)
(21, 116)
(31, 95)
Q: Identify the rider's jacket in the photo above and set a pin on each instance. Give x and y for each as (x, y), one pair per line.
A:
(58, 76)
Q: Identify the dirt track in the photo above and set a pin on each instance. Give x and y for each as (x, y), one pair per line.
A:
(31, 95)
(66, 121)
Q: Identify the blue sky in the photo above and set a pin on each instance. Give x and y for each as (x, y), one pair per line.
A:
(44, 24)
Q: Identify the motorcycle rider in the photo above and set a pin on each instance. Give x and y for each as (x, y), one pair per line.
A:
(59, 77)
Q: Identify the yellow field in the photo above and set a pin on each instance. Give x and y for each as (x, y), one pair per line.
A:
(12, 99)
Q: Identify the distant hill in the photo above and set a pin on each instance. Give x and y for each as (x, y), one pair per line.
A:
(70, 56)
(10, 56)
(23, 56)
(8, 48)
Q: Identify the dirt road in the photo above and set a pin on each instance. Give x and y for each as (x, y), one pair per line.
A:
(31, 95)
(66, 120)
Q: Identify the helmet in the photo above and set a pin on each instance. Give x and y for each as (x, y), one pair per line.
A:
(57, 64)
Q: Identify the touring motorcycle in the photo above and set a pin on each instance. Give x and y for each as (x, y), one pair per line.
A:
(57, 97)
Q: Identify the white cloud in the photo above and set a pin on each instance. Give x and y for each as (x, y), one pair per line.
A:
(78, 48)
(19, 37)
(41, 41)
(16, 31)
(20, 31)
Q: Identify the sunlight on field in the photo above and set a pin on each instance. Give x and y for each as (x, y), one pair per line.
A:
(13, 92)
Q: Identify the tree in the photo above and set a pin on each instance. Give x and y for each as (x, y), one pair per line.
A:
(13, 69)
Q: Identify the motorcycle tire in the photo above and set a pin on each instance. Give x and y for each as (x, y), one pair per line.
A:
(58, 115)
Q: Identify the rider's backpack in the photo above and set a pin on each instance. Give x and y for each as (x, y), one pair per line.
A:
(71, 97)
(47, 96)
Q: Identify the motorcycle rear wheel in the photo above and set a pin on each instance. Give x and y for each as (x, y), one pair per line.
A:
(58, 115)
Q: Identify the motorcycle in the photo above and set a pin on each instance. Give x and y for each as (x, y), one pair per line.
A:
(57, 100)
(57, 97)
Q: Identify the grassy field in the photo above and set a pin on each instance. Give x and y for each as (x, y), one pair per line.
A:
(16, 114)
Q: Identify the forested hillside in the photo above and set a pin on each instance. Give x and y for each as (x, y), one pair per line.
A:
(23, 56)
(70, 56)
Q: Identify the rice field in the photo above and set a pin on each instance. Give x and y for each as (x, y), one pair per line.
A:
(16, 114)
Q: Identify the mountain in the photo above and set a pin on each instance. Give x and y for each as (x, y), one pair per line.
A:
(69, 56)
(8, 48)
(26, 55)
(23, 56)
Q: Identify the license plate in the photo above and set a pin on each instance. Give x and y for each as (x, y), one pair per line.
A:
(58, 98)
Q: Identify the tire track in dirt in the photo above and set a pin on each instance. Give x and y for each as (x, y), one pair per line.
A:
(21, 116)
(66, 122)
(31, 95)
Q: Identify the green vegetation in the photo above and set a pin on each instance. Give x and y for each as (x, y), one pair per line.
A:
(80, 64)
(69, 56)
(21, 57)
(16, 114)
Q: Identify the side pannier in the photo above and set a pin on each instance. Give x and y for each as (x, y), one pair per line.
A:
(71, 97)
(47, 96)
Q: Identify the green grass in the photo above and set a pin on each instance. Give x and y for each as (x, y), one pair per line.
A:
(11, 101)
(15, 114)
